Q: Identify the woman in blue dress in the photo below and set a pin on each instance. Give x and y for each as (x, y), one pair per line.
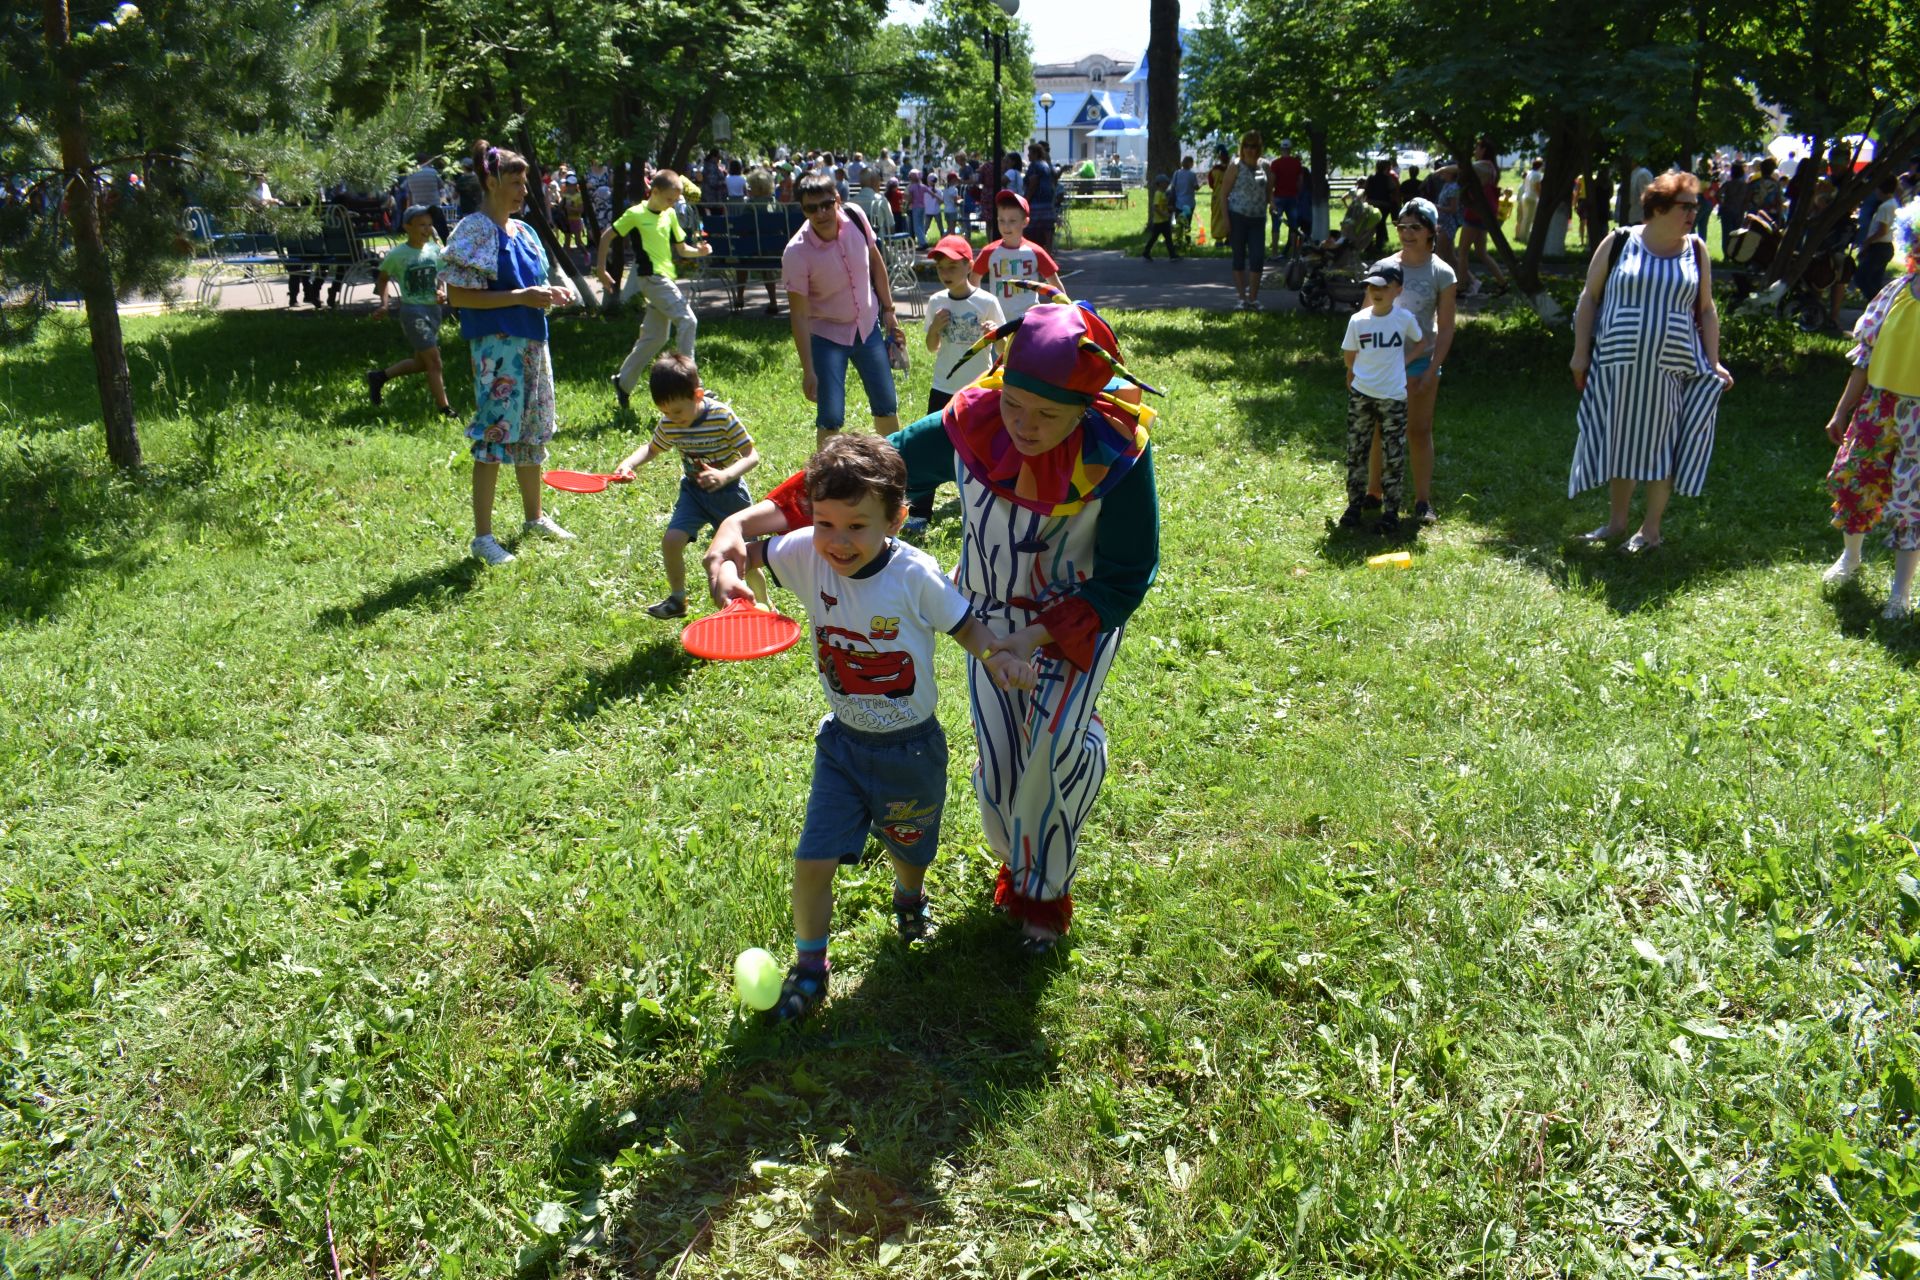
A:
(498, 278)
(1650, 378)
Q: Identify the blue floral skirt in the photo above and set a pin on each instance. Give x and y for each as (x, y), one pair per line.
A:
(513, 393)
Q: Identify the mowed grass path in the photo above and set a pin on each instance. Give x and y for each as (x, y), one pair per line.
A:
(1533, 912)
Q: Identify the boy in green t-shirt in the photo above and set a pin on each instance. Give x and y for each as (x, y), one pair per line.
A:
(661, 239)
(416, 266)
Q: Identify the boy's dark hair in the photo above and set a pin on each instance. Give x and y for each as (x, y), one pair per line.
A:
(816, 184)
(849, 467)
(664, 178)
(673, 377)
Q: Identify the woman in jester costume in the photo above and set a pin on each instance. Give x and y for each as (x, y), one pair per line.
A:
(1062, 541)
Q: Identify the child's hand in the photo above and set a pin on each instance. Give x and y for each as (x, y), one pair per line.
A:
(1010, 672)
(709, 477)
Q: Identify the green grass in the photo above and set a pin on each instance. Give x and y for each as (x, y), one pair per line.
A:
(1534, 912)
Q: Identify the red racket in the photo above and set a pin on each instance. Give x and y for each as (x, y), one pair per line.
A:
(741, 631)
(582, 481)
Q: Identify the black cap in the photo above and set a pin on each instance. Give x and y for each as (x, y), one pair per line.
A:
(1384, 275)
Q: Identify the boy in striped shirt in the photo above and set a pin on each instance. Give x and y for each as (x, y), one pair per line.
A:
(715, 452)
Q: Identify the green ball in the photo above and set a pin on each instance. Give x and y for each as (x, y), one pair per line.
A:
(757, 978)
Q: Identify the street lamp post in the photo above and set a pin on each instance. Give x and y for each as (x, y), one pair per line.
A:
(1046, 128)
(999, 41)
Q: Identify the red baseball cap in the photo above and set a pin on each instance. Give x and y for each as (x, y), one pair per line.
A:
(1013, 197)
(952, 248)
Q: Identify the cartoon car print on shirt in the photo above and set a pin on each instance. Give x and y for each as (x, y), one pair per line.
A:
(853, 666)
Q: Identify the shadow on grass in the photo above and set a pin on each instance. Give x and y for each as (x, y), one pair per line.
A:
(883, 1087)
(660, 663)
(62, 525)
(428, 589)
(1857, 614)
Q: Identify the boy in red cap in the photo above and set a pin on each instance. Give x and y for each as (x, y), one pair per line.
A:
(956, 319)
(1061, 545)
(1012, 258)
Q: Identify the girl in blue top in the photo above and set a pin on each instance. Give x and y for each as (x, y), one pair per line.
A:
(498, 278)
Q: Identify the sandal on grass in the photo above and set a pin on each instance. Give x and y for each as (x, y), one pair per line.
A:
(1036, 941)
(1637, 544)
(914, 923)
(804, 991)
(1602, 534)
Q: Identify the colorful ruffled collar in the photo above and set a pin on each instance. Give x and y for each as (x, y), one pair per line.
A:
(1080, 469)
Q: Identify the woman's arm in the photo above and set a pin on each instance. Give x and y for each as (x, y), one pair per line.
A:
(460, 295)
(1709, 316)
(1589, 308)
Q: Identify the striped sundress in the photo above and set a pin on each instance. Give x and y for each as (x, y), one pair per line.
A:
(1652, 396)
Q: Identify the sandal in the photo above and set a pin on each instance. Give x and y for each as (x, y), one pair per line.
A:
(1602, 534)
(1638, 544)
(1038, 944)
(671, 607)
(804, 991)
(913, 923)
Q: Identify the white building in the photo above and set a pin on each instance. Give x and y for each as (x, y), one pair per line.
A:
(1084, 93)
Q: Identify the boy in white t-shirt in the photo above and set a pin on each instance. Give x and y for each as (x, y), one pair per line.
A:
(1012, 258)
(957, 317)
(876, 607)
(1381, 341)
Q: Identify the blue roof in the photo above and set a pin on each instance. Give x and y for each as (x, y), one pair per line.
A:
(1076, 110)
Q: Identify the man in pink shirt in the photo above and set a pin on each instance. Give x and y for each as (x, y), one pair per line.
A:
(837, 294)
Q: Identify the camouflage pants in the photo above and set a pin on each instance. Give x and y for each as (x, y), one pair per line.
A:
(1366, 415)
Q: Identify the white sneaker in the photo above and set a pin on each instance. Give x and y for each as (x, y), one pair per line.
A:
(1841, 570)
(487, 547)
(1897, 608)
(545, 527)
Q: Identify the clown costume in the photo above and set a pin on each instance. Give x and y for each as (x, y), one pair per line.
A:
(1062, 541)
(1876, 473)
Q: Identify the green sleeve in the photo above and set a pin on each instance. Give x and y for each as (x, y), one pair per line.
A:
(627, 221)
(1126, 546)
(927, 451)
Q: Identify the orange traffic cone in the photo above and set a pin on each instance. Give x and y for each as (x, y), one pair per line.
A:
(1200, 235)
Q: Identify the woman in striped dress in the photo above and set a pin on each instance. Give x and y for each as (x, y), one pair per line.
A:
(1650, 379)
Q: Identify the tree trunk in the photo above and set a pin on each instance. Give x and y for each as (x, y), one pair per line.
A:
(1797, 254)
(1163, 93)
(1556, 187)
(1474, 194)
(1690, 131)
(90, 252)
(1317, 180)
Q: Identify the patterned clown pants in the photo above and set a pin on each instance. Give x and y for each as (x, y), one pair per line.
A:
(1876, 473)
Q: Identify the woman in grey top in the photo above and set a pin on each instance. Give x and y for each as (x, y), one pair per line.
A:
(1245, 182)
(1427, 289)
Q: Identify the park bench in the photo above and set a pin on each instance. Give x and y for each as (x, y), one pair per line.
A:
(748, 238)
(1094, 190)
(245, 249)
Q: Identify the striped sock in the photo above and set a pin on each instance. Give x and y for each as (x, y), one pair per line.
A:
(810, 954)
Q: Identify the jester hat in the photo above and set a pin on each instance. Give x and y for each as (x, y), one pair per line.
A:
(1065, 353)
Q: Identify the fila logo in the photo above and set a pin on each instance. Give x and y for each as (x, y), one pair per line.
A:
(1383, 341)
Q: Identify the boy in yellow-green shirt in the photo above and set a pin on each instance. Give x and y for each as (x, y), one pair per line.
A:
(662, 239)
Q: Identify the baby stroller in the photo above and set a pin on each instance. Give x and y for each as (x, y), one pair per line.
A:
(1328, 277)
(1750, 253)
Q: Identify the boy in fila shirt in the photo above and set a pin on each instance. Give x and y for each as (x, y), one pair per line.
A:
(1381, 341)
(876, 607)
(1012, 258)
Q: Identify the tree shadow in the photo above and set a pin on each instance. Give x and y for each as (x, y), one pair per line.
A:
(660, 663)
(60, 526)
(435, 588)
(887, 1082)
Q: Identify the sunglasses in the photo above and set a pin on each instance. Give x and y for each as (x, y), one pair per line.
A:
(817, 207)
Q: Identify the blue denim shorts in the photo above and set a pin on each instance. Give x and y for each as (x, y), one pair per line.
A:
(890, 785)
(696, 508)
(830, 360)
